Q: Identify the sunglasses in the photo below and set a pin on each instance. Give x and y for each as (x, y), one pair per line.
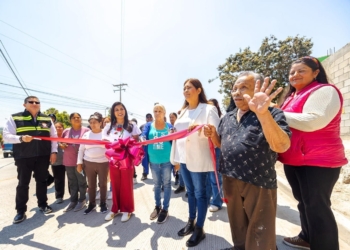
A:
(32, 102)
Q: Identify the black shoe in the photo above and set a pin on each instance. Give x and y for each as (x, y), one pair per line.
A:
(163, 215)
(179, 190)
(197, 236)
(90, 208)
(19, 218)
(46, 209)
(103, 207)
(50, 180)
(155, 213)
(144, 177)
(187, 229)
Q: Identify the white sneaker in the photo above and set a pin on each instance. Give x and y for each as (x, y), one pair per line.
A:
(125, 217)
(98, 195)
(135, 181)
(213, 208)
(110, 216)
(109, 196)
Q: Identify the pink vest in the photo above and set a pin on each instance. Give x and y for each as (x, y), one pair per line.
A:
(323, 147)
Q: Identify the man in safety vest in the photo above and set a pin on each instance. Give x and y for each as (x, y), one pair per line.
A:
(31, 155)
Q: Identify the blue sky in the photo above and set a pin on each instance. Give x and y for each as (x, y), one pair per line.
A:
(164, 43)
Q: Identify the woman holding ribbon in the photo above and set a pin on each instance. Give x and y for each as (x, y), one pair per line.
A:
(76, 178)
(121, 176)
(159, 158)
(194, 156)
(312, 164)
(95, 163)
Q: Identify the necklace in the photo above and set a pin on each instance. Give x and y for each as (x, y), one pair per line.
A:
(119, 129)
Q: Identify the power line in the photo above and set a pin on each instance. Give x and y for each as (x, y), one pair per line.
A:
(55, 59)
(52, 102)
(65, 97)
(13, 63)
(14, 72)
(56, 49)
(46, 87)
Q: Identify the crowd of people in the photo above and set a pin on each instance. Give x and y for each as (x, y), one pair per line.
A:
(302, 131)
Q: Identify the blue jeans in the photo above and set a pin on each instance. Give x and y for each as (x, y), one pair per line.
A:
(145, 162)
(196, 183)
(161, 173)
(213, 188)
(181, 180)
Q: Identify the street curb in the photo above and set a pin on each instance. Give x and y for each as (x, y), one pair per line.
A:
(342, 222)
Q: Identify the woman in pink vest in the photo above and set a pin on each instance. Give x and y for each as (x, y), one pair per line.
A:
(312, 163)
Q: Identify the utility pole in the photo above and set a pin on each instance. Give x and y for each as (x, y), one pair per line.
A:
(120, 86)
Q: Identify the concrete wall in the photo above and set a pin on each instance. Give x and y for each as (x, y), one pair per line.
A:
(338, 69)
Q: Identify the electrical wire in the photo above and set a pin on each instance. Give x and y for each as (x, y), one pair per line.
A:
(56, 49)
(56, 59)
(13, 72)
(8, 55)
(51, 94)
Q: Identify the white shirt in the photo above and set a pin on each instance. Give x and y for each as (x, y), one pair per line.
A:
(10, 134)
(114, 135)
(183, 123)
(92, 153)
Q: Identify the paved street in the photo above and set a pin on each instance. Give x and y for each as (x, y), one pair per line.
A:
(74, 230)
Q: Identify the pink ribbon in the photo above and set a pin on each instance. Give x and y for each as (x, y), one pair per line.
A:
(127, 153)
(124, 153)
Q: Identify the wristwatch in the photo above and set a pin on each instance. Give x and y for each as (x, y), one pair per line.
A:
(21, 139)
(54, 153)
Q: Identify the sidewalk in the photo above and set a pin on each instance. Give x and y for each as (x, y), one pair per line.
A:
(74, 230)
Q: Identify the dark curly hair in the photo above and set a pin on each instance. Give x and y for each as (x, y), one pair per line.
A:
(126, 125)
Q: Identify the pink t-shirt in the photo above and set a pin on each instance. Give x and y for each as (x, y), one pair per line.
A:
(70, 154)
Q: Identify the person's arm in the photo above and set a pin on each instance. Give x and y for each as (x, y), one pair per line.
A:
(9, 132)
(105, 137)
(259, 103)
(210, 131)
(135, 132)
(81, 151)
(319, 110)
(277, 138)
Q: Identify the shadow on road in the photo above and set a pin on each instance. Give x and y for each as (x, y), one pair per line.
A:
(288, 214)
(17, 234)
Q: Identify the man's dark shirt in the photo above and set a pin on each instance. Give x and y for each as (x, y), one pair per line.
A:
(245, 153)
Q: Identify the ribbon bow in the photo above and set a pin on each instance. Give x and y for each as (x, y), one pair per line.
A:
(124, 153)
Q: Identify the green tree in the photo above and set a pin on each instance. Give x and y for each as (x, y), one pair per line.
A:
(273, 59)
(60, 116)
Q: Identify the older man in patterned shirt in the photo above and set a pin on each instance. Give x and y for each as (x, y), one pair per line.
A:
(250, 137)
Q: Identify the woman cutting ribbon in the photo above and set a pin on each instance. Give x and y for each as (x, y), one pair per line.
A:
(121, 177)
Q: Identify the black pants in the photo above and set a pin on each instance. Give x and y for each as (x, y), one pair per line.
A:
(312, 188)
(60, 177)
(39, 165)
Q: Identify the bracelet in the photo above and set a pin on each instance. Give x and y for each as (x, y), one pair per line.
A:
(54, 153)
(21, 139)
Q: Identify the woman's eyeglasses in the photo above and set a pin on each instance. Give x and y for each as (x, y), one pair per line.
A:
(32, 102)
